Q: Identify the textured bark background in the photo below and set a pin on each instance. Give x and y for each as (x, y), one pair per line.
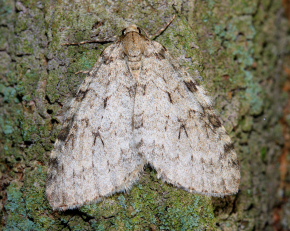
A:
(238, 48)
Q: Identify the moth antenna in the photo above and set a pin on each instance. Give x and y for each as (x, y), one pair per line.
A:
(162, 29)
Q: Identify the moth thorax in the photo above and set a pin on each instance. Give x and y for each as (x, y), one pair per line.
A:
(133, 44)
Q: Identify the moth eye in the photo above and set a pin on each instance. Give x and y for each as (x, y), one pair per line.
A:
(123, 31)
(139, 30)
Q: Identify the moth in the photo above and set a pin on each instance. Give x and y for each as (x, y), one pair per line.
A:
(137, 106)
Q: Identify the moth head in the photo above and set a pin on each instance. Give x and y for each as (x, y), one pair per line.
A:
(131, 28)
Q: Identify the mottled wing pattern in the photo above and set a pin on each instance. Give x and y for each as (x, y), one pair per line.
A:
(94, 155)
(138, 106)
(178, 131)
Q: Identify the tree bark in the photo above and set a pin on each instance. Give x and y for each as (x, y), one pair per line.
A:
(236, 48)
